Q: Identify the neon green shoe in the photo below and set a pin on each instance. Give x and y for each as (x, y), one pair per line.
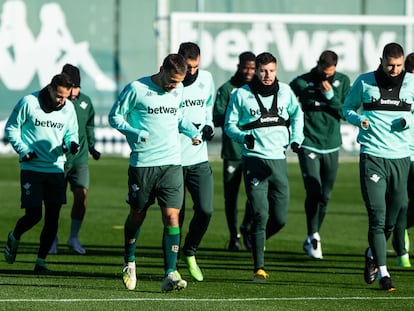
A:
(406, 241)
(404, 261)
(178, 275)
(193, 268)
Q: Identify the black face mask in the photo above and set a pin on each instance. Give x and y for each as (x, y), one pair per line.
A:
(46, 103)
(265, 90)
(189, 78)
(387, 82)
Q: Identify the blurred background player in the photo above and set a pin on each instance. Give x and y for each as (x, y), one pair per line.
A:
(399, 234)
(76, 166)
(197, 107)
(231, 153)
(321, 93)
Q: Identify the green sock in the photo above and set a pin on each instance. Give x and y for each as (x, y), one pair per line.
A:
(171, 245)
(131, 233)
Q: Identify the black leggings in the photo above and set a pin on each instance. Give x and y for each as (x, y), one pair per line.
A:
(31, 217)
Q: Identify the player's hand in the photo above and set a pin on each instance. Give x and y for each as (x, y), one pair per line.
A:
(195, 141)
(296, 148)
(74, 147)
(365, 124)
(207, 133)
(94, 153)
(325, 86)
(29, 156)
(249, 141)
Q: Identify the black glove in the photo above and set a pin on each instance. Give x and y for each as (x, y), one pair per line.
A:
(207, 133)
(95, 153)
(249, 141)
(74, 147)
(29, 156)
(64, 147)
(296, 148)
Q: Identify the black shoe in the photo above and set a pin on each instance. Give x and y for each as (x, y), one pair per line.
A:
(247, 239)
(38, 269)
(386, 284)
(371, 270)
(234, 245)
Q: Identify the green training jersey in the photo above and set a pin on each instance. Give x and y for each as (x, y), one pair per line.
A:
(151, 119)
(271, 141)
(230, 149)
(85, 114)
(322, 112)
(197, 107)
(30, 129)
(386, 136)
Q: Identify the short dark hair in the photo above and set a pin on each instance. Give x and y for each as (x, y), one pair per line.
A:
(189, 50)
(409, 63)
(393, 50)
(61, 79)
(327, 59)
(246, 57)
(74, 73)
(265, 58)
(175, 63)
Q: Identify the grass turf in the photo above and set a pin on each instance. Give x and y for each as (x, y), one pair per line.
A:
(93, 281)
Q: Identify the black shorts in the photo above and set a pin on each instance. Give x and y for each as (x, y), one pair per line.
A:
(38, 187)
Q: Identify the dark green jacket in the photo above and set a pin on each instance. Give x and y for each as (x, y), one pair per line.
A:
(230, 150)
(85, 114)
(322, 116)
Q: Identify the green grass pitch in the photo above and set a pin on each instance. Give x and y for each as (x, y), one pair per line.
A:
(93, 281)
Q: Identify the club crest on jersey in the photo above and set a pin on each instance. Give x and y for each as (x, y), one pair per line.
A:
(83, 105)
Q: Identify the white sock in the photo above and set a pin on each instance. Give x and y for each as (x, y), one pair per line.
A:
(382, 272)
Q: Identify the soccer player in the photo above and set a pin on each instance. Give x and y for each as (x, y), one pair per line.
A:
(197, 107)
(401, 237)
(36, 128)
(148, 113)
(259, 116)
(76, 166)
(321, 93)
(379, 104)
(231, 153)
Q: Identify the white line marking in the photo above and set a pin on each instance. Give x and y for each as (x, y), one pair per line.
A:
(207, 299)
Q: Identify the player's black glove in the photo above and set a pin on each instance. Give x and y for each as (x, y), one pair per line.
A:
(74, 147)
(29, 156)
(64, 147)
(94, 153)
(296, 148)
(249, 141)
(207, 133)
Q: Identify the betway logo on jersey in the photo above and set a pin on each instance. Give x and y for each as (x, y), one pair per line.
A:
(193, 102)
(394, 102)
(162, 110)
(49, 123)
